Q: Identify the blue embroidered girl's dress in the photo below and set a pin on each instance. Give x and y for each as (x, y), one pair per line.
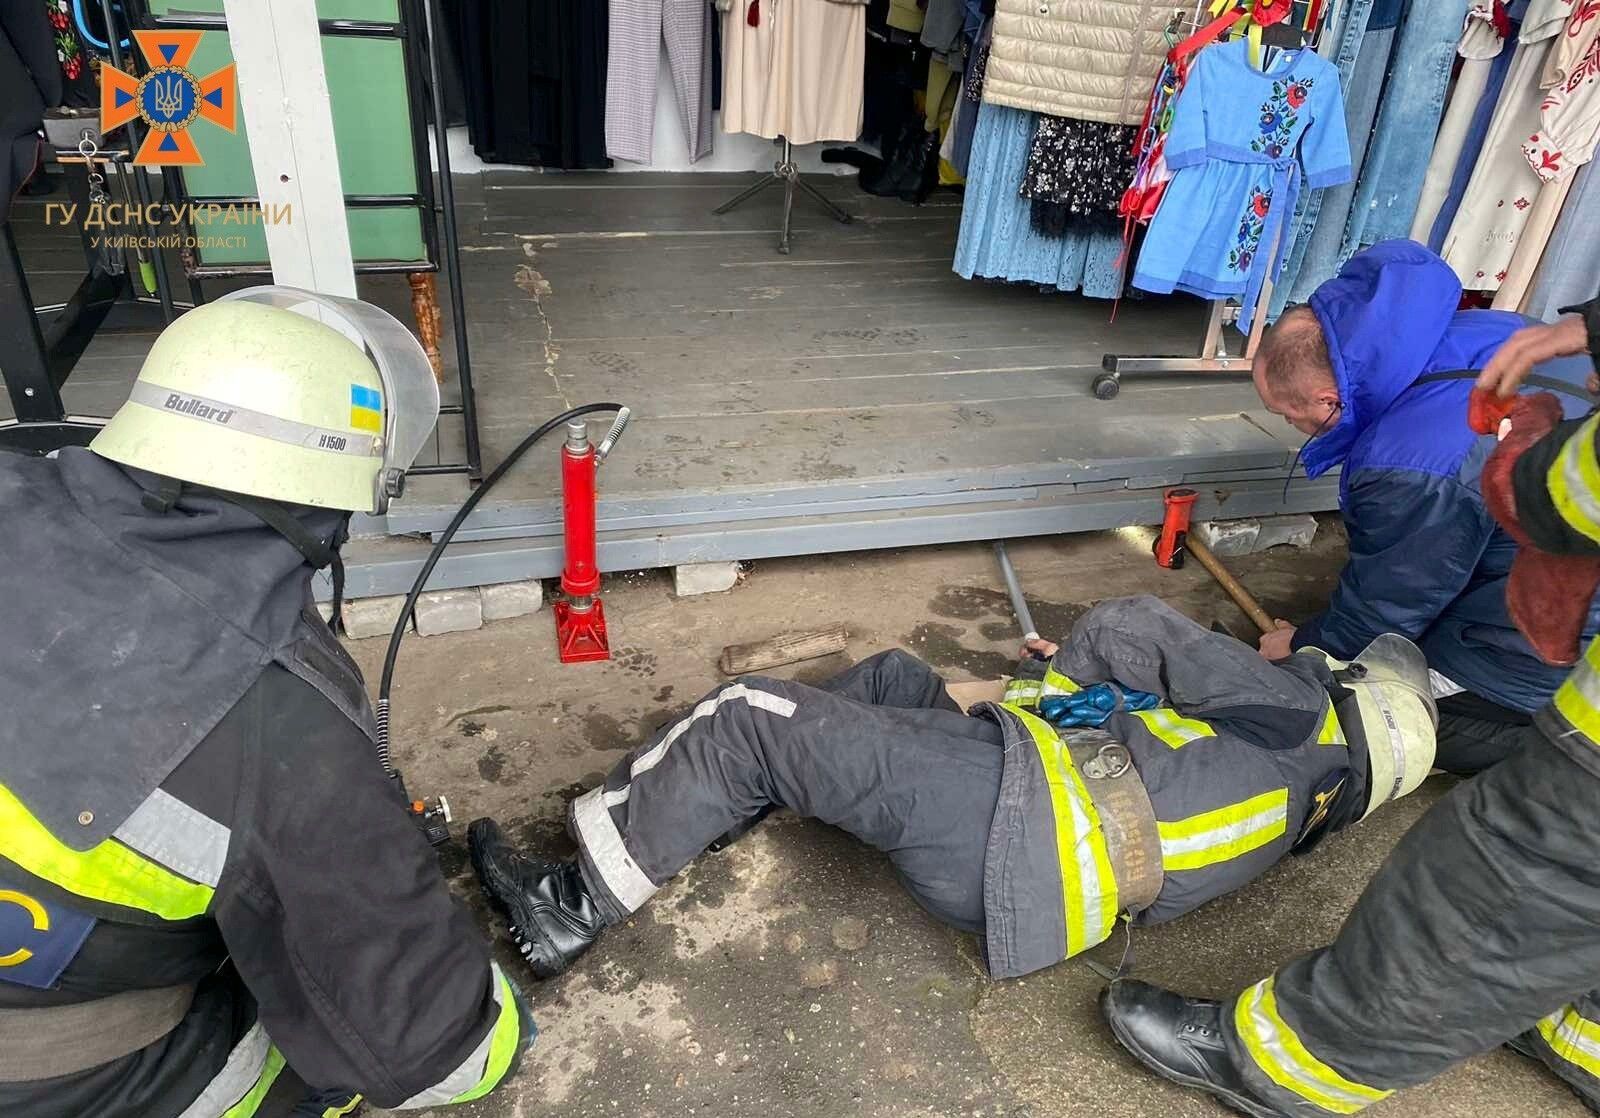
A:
(1239, 141)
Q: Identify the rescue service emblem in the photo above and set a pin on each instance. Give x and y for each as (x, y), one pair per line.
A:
(37, 917)
(169, 99)
(38, 938)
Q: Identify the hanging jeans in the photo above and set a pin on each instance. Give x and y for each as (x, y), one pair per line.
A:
(1413, 101)
(1361, 44)
(637, 30)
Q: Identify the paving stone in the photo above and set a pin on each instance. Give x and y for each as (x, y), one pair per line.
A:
(512, 599)
(690, 579)
(1229, 538)
(449, 611)
(1298, 530)
(372, 617)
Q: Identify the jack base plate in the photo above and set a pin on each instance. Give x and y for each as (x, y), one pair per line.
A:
(581, 634)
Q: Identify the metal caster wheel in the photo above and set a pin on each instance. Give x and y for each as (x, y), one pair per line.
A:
(1106, 386)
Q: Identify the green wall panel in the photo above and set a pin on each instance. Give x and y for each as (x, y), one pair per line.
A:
(371, 126)
(375, 234)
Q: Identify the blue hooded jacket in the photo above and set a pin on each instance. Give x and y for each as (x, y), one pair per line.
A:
(1426, 558)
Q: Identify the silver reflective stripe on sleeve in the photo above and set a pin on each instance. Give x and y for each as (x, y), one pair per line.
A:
(470, 1072)
(237, 1077)
(235, 418)
(169, 831)
(597, 831)
(603, 843)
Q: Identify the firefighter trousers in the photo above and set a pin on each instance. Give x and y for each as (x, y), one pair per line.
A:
(1480, 926)
(881, 752)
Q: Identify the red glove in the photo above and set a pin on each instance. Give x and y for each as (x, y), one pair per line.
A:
(1547, 595)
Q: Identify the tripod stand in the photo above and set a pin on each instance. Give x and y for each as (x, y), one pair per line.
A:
(784, 171)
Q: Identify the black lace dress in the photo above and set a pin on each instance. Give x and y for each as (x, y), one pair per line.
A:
(1077, 172)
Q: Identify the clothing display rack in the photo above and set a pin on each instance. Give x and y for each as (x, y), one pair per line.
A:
(1214, 356)
(785, 171)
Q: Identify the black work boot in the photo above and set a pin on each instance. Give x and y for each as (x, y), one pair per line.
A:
(1180, 1039)
(553, 919)
(1534, 1046)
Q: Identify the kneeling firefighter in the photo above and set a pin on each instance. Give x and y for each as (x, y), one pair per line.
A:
(211, 896)
(998, 822)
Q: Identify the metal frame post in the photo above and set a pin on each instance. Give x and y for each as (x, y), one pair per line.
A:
(35, 396)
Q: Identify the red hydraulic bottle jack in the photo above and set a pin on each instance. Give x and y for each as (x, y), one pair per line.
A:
(581, 619)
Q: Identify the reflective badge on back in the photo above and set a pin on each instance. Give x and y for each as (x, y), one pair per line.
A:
(38, 939)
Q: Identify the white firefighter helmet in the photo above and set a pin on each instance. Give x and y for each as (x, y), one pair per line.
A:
(281, 393)
(1391, 709)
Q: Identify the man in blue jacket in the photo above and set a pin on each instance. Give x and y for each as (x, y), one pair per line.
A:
(1355, 370)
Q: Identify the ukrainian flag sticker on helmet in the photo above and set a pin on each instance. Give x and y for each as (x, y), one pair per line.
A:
(366, 409)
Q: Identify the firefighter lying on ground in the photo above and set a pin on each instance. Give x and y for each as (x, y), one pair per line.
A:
(999, 823)
(210, 893)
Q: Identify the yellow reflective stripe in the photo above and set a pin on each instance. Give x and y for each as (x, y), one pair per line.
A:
(1279, 1053)
(341, 1111)
(1023, 692)
(1331, 733)
(1227, 832)
(1574, 1038)
(1172, 728)
(108, 872)
(251, 1103)
(1088, 885)
(1574, 482)
(1578, 699)
(1057, 684)
(503, 1046)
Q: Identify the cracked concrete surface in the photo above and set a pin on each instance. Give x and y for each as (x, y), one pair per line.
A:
(789, 976)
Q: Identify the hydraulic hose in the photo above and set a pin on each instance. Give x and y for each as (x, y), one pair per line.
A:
(400, 625)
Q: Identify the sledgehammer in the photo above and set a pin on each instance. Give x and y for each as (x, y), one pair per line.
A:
(1174, 543)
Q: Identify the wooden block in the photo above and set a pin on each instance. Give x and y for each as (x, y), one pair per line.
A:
(786, 648)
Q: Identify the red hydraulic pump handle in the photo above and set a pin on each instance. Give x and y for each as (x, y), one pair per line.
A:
(1174, 527)
(580, 577)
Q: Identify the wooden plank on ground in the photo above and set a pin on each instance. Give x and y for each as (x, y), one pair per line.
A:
(785, 648)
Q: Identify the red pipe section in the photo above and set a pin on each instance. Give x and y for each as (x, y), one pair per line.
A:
(580, 620)
(580, 578)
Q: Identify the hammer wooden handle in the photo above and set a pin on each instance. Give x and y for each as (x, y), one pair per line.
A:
(1241, 597)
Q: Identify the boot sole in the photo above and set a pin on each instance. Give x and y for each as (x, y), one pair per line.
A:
(1523, 1048)
(1228, 1098)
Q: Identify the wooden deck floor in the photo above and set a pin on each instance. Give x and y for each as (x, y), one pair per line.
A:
(856, 392)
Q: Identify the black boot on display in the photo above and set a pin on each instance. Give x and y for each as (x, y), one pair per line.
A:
(1180, 1039)
(926, 169)
(553, 919)
(901, 169)
(1533, 1046)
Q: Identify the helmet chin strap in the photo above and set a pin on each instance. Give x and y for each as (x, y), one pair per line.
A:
(1322, 429)
(316, 551)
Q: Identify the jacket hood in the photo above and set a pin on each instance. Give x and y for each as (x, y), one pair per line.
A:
(1382, 316)
(222, 555)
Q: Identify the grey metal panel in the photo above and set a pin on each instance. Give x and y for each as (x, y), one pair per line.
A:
(433, 501)
(388, 567)
(608, 521)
